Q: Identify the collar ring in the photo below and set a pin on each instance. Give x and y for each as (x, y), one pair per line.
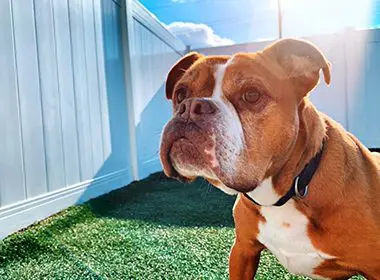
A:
(297, 189)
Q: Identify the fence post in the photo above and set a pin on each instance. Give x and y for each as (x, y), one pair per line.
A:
(347, 41)
(128, 45)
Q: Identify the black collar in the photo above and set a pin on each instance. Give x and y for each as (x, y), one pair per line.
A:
(300, 183)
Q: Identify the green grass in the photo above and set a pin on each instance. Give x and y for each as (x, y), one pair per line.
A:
(153, 229)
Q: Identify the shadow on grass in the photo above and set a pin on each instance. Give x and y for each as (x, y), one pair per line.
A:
(163, 201)
(155, 200)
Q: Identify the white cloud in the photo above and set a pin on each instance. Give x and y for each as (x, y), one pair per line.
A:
(197, 35)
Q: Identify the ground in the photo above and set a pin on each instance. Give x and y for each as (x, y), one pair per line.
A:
(152, 229)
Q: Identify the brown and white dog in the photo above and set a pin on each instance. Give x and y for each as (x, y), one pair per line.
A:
(245, 124)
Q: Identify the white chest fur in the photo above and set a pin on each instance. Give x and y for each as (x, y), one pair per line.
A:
(284, 233)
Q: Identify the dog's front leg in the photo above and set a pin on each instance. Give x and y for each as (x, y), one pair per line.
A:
(244, 260)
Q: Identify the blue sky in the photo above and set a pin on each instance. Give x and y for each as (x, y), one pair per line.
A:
(217, 22)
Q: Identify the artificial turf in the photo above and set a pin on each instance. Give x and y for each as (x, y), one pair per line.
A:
(152, 229)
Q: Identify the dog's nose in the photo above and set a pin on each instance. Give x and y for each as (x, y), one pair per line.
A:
(195, 108)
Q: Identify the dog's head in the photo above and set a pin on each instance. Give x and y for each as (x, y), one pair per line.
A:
(236, 117)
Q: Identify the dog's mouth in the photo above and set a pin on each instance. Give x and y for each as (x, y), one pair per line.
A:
(184, 160)
(188, 151)
(176, 150)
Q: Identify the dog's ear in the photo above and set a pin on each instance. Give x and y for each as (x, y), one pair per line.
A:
(178, 70)
(302, 62)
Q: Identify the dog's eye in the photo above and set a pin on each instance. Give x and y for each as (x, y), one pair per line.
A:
(181, 94)
(252, 96)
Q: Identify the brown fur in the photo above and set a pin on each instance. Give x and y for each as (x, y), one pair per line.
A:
(343, 201)
(347, 182)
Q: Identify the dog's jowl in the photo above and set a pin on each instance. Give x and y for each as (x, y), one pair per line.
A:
(307, 190)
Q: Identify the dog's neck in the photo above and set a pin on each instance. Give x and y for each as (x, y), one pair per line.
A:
(312, 131)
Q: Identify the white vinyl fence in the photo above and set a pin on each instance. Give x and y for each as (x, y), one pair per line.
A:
(71, 114)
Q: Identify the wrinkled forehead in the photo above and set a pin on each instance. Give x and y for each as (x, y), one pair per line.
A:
(200, 77)
(229, 73)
